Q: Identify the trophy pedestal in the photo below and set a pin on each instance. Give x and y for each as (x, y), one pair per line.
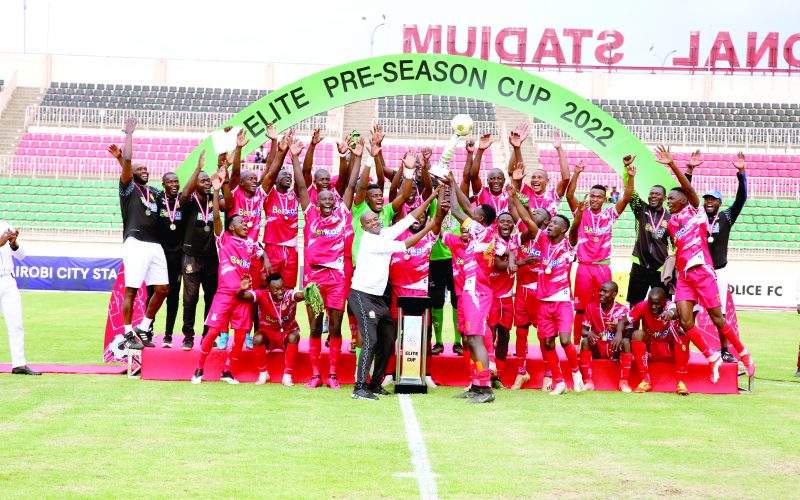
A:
(412, 346)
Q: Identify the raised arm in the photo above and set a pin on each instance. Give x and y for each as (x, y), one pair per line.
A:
(573, 185)
(427, 182)
(515, 139)
(127, 151)
(513, 200)
(459, 199)
(483, 144)
(216, 182)
(441, 210)
(628, 193)
(741, 191)
(466, 181)
(244, 293)
(563, 165)
(409, 160)
(273, 142)
(416, 238)
(667, 159)
(191, 184)
(424, 205)
(573, 230)
(376, 151)
(308, 161)
(360, 193)
(282, 147)
(695, 161)
(397, 178)
(299, 182)
(241, 141)
(116, 152)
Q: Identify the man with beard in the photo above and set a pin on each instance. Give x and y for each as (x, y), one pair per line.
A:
(697, 282)
(200, 263)
(539, 196)
(142, 256)
(554, 290)
(501, 314)
(720, 224)
(594, 240)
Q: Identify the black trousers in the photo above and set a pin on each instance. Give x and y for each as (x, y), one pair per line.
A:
(440, 278)
(198, 271)
(377, 331)
(174, 262)
(641, 281)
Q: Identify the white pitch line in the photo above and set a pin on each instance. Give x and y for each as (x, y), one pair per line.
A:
(419, 454)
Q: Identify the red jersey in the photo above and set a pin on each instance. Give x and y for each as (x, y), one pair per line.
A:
(408, 271)
(235, 255)
(281, 218)
(650, 324)
(458, 249)
(407, 208)
(555, 285)
(527, 274)
(594, 235)
(498, 201)
(249, 208)
(277, 316)
(325, 237)
(503, 281)
(604, 323)
(689, 230)
(313, 193)
(549, 200)
(479, 257)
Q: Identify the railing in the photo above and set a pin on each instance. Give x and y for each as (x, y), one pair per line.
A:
(698, 136)
(7, 92)
(185, 121)
(438, 129)
(73, 168)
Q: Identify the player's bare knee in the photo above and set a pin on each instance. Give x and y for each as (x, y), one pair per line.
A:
(584, 345)
(550, 343)
(293, 338)
(638, 335)
(258, 339)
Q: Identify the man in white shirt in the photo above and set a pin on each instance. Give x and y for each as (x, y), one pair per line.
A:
(369, 286)
(10, 302)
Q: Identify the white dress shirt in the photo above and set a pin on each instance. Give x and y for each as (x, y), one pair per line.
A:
(374, 255)
(6, 263)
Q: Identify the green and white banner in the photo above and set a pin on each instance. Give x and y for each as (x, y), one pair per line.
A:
(445, 75)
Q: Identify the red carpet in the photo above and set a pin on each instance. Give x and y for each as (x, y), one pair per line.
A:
(446, 369)
(72, 369)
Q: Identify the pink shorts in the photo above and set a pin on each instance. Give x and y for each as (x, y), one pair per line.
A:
(588, 280)
(602, 349)
(502, 312)
(284, 261)
(698, 284)
(276, 338)
(228, 312)
(475, 307)
(331, 285)
(554, 318)
(258, 274)
(661, 350)
(526, 303)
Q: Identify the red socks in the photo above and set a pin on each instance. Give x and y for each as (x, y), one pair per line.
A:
(732, 337)
(483, 378)
(639, 349)
(681, 357)
(552, 362)
(696, 336)
(500, 363)
(260, 352)
(586, 365)
(522, 342)
(334, 348)
(314, 351)
(236, 349)
(206, 345)
(290, 357)
(572, 357)
(625, 359)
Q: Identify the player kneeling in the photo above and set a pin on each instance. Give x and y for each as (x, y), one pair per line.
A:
(657, 336)
(277, 325)
(603, 327)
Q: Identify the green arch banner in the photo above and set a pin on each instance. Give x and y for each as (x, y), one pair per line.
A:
(444, 75)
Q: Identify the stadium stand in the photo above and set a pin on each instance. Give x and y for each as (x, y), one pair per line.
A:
(429, 107)
(702, 114)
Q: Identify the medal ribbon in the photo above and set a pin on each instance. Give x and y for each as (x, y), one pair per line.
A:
(142, 193)
(652, 223)
(171, 213)
(200, 206)
(553, 250)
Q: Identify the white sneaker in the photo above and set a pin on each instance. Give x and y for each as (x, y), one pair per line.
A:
(429, 382)
(229, 379)
(387, 381)
(577, 382)
(559, 389)
(714, 362)
(196, 380)
(287, 380)
(263, 378)
(493, 367)
(547, 384)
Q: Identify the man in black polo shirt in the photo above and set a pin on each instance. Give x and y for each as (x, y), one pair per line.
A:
(652, 244)
(142, 254)
(200, 262)
(720, 224)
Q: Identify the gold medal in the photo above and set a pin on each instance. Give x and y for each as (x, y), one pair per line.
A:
(188, 268)
(148, 212)
(596, 239)
(406, 256)
(207, 229)
(711, 239)
(172, 227)
(249, 223)
(548, 271)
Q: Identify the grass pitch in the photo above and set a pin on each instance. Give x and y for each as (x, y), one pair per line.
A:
(106, 436)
